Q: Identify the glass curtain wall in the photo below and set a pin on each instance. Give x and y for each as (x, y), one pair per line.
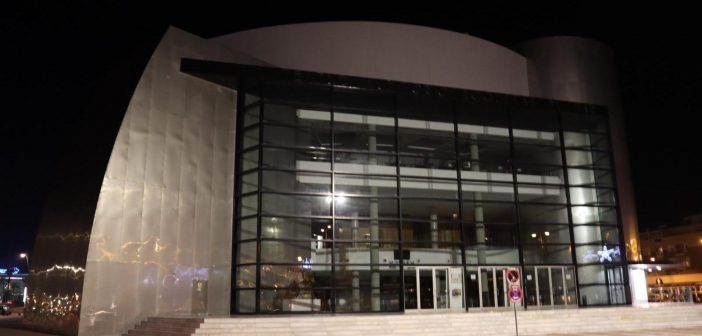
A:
(343, 192)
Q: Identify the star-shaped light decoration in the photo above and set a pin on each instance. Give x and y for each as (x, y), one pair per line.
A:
(606, 253)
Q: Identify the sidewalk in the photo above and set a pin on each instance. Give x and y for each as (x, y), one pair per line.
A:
(10, 326)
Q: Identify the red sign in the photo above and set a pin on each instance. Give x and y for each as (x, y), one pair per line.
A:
(513, 275)
(515, 293)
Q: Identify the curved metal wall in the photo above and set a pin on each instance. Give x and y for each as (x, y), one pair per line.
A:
(157, 233)
(583, 70)
(389, 51)
(161, 238)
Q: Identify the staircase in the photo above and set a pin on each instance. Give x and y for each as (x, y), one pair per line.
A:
(565, 321)
(166, 326)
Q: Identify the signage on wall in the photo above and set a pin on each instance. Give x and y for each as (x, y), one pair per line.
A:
(603, 255)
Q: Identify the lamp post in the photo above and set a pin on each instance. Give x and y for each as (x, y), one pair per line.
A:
(25, 257)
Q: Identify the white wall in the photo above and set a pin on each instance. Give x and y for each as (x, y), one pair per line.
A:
(390, 51)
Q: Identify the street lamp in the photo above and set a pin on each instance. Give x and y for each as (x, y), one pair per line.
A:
(25, 257)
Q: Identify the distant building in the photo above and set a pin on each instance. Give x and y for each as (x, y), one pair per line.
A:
(677, 250)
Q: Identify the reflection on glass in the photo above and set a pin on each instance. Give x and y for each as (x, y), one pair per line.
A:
(426, 289)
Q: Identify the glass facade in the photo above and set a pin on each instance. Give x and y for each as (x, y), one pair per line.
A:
(360, 199)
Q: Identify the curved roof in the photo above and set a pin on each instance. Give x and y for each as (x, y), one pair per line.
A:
(390, 51)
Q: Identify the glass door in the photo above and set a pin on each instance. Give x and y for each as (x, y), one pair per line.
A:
(550, 286)
(487, 287)
(427, 288)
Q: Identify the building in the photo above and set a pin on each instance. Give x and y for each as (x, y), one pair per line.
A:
(675, 257)
(342, 167)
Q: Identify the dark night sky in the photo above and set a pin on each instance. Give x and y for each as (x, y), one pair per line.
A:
(55, 54)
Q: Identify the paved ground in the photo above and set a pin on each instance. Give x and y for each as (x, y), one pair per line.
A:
(649, 332)
(11, 326)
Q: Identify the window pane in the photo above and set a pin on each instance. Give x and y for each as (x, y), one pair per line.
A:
(360, 163)
(539, 174)
(426, 165)
(364, 252)
(535, 119)
(585, 122)
(365, 185)
(429, 188)
(438, 253)
(249, 182)
(248, 205)
(430, 210)
(297, 136)
(250, 138)
(543, 214)
(541, 193)
(489, 255)
(294, 252)
(361, 101)
(295, 300)
(363, 207)
(357, 229)
(248, 228)
(251, 114)
(296, 115)
(537, 154)
(246, 301)
(296, 205)
(586, 177)
(246, 276)
(487, 191)
(295, 228)
(389, 300)
(490, 234)
(585, 234)
(314, 160)
(593, 295)
(298, 94)
(599, 253)
(578, 158)
(299, 275)
(591, 196)
(296, 182)
(246, 253)
(481, 147)
(249, 160)
(545, 234)
(364, 133)
(547, 254)
(594, 215)
(427, 139)
(488, 212)
(591, 274)
(425, 231)
(586, 141)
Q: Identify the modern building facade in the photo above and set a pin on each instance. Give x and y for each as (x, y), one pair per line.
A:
(347, 167)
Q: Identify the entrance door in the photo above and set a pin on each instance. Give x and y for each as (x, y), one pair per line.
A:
(550, 286)
(488, 287)
(432, 288)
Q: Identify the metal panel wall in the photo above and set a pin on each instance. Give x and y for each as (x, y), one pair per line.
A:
(161, 238)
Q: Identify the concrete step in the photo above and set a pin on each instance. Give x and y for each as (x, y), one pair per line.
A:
(166, 326)
(568, 321)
